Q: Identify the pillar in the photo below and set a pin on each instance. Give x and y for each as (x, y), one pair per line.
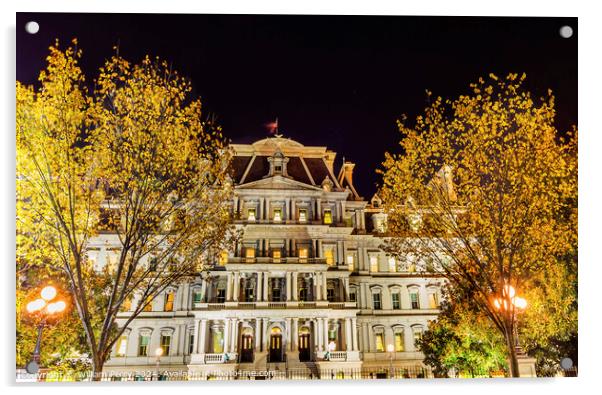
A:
(340, 253)
(319, 336)
(370, 338)
(260, 211)
(236, 286)
(234, 342)
(318, 209)
(266, 214)
(202, 337)
(289, 334)
(204, 290)
(318, 284)
(265, 333)
(226, 334)
(266, 279)
(295, 339)
(288, 286)
(229, 287)
(325, 333)
(346, 288)
(354, 334)
(295, 285)
(294, 210)
(259, 288)
(288, 209)
(348, 341)
(196, 347)
(324, 287)
(257, 334)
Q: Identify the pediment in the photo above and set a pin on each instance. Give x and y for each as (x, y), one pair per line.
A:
(278, 182)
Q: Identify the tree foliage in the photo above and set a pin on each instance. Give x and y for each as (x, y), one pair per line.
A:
(131, 161)
(486, 188)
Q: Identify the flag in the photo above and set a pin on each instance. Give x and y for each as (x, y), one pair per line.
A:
(272, 126)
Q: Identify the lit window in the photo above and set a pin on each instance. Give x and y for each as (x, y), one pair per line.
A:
(392, 264)
(218, 341)
(414, 299)
(433, 300)
(376, 301)
(327, 216)
(149, 304)
(122, 344)
(223, 258)
(380, 342)
(169, 298)
(350, 262)
(395, 301)
(250, 254)
(277, 215)
(373, 263)
(276, 255)
(143, 342)
(302, 215)
(330, 294)
(412, 268)
(165, 343)
(417, 333)
(303, 254)
(352, 296)
(329, 255)
(221, 295)
(197, 296)
(251, 214)
(399, 341)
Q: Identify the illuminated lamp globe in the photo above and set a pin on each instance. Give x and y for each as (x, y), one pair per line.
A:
(510, 290)
(159, 352)
(56, 307)
(35, 305)
(520, 303)
(390, 348)
(48, 293)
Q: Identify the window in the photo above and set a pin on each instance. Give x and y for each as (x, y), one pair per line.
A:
(399, 341)
(392, 264)
(278, 169)
(276, 255)
(218, 340)
(251, 214)
(327, 217)
(249, 294)
(143, 342)
(350, 262)
(276, 290)
(373, 263)
(169, 298)
(302, 215)
(380, 342)
(330, 294)
(277, 215)
(417, 333)
(197, 296)
(122, 344)
(414, 299)
(303, 254)
(303, 294)
(250, 254)
(223, 258)
(395, 301)
(149, 304)
(165, 343)
(376, 301)
(433, 300)
(190, 342)
(352, 296)
(329, 255)
(221, 295)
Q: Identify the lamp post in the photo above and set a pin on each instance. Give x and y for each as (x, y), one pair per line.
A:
(516, 302)
(390, 350)
(158, 353)
(43, 309)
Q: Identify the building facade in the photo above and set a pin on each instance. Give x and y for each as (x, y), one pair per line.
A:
(306, 293)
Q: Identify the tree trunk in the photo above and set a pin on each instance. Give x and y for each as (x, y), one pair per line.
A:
(511, 350)
(97, 366)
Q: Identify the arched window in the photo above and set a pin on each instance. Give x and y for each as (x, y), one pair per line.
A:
(376, 298)
(122, 344)
(165, 340)
(170, 296)
(399, 337)
(379, 338)
(414, 292)
(144, 336)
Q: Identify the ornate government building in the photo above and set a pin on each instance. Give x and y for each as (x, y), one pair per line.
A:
(306, 293)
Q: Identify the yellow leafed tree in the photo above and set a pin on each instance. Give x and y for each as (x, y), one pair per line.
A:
(486, 190)
(132, 158)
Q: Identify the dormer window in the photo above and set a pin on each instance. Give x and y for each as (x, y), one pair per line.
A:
(278, 164)
(302, 215)
(327, 217)
(277, 215)
(251, 214)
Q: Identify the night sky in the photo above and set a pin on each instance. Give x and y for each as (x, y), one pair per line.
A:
(338, 81)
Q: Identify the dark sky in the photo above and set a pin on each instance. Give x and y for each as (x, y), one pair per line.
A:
(339, 81)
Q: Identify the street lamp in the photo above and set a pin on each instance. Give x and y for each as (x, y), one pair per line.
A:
(390, 350)
(43, 309)
(509, 293)
(158, 354)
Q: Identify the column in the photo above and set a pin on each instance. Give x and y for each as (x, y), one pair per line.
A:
(259, 288)
(319, 336)
(236, 286)
(289, 334)
(260, 211)
(229, 287)
(266, 214)
(293, 247)
(258, 334)
(288, 286)
(204, 290)
(226, 334)
(295, 339)
(196, 347)
(325, 333)
(293, 210)
(340, 253)
(286, 254)
(354, 334)
(266, 279)
(362, 220)
(318, 284)
(319, 249)
(266, 335)
(346, 288)
(288, 209)
(295, 284)
(342, 211)
(324, 286)
(235, 206)
(202, 337)
(348, 341)
(318, 210)
(234, 342)
(370, 338)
